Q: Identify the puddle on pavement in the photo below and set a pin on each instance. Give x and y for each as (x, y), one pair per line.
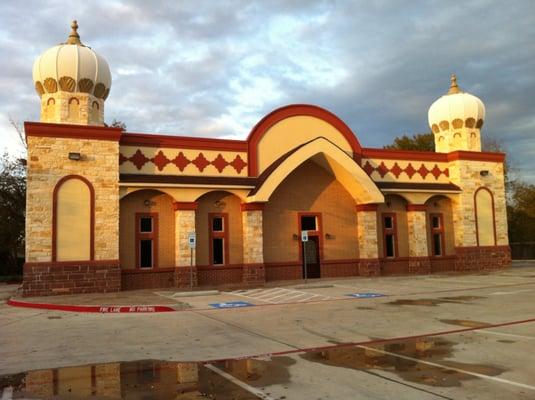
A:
(506, 341)
(466, 322)
(433, 350)
(433, 302)
(149, 380)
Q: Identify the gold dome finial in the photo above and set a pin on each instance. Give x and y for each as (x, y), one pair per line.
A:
(454, 88)
(74, 38)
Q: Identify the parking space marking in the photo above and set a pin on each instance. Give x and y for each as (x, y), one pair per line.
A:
(505, 334)
(281, 295)
(462, 371)
(239, 383)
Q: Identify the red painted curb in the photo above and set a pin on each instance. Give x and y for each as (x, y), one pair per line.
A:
(92, 309)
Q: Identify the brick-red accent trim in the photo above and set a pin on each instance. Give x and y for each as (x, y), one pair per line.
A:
(493, 213)
(396, 170)
(416, 207)
(366, 207)
(55, 215)
(252, 206)
(292, 110)
(160, 160)
(91, 309)
(42, 129)
(185, 205)
(182, 142)
(431, 156)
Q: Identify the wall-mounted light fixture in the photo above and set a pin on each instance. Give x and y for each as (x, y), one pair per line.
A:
(328, 236)
(219, 204)
(75, 156)
(148, 203)
(295, 236)
(485, 172)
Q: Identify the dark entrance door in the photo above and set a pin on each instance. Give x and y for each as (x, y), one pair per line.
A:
(312, 256)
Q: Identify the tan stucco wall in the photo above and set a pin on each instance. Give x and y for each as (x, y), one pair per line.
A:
(485, 218)
(73, 221)
(161, 204)
(439, 204)
(398, 205)
(310, 188)
(228, 204)
(47, 163)
(294, 131)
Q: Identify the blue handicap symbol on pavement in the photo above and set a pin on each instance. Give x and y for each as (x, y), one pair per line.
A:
(232, 304)
(365, 295)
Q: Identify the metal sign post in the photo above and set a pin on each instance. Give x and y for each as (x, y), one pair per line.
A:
(192, 241)
(304, 239)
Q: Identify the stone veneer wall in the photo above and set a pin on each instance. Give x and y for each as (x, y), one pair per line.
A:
(47, 163)
(60, 111)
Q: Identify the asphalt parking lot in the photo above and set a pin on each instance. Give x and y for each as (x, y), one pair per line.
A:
(427, 337)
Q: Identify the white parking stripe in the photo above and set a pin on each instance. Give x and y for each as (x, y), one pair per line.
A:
(280, 295)
(505, 334)
(462, 371)
(293, 297)
(243, 385)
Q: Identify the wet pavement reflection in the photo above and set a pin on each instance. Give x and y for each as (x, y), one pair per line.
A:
(170, 380)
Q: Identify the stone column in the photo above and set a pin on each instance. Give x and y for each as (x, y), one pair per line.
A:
(184, 225)
(367, 237)
(419, 261)
(253, 244)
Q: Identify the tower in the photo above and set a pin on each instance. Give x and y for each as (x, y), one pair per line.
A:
(72, 196)
(73, 82)
(456, 120)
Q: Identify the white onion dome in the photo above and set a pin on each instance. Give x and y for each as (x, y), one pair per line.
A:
(455, 110)
(72, 67)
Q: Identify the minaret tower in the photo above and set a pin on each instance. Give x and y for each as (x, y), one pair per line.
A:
(456, 120)
(73, 82)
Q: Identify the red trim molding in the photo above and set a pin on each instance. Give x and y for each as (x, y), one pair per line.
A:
(260, 129)
(182, 142)
(476, 156)
(432, 156)
(55, 215)
(252, 206)
(91, 309)
(41, 129)
(366, 207)
(416, 207)
(185, 205)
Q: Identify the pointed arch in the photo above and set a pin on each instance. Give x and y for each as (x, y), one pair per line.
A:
(344, 168)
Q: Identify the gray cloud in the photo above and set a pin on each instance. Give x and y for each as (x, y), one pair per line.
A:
(207, 68)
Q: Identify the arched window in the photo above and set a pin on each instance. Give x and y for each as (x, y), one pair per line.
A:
(74, 109)
(50, 109)
(485, 223)
(94, 111)
(73, 219)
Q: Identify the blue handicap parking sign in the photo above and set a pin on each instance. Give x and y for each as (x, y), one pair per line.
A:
(232, 304)
(365, 295)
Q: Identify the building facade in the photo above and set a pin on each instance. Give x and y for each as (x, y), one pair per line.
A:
(110, 210)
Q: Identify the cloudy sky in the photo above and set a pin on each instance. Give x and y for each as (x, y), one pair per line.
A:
(214, 68)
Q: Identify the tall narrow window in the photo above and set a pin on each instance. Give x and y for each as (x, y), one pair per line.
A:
(218, 228)
(390, 235)
(146, 240)
(437, 234)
